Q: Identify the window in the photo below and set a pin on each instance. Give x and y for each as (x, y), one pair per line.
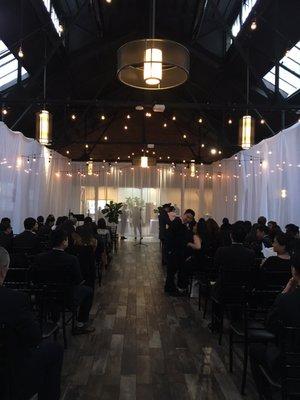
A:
(289, 72)
(9, 68)
(54, 18)
(246, 9)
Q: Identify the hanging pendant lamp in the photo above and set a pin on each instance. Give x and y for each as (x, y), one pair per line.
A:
(247, 125)
(153, 64)
(43, 119)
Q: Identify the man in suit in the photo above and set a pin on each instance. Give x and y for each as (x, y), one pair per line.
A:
(66, 267)
(285, 311)
(28, 239)
(35, 365)
(163, 221)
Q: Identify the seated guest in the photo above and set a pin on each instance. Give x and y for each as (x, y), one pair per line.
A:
(6, 238)
(104, 240)
(284, 311)
(87, 224)
(60, 221)
(40, 221)
(274, 229)
(188, 218)
(281, 262)
(292, 231)
(66, 264)
(28, 239)
(46, 229)
(36, 365)
(235, 255)
(212, 236)
(4, 222)
(247, 226)
(251, 235)
(262, 239)
(225, 233)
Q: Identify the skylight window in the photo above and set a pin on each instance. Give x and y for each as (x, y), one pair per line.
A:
(244, 13)
(9, 68)
(289, 72)
(54, 18)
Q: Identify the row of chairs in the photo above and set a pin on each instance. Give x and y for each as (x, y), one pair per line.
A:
(246, 294)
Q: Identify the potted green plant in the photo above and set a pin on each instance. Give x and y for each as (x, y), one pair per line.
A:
(112, 211)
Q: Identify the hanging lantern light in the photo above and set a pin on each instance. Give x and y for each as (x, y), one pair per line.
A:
(144, 162)
(153, 66)
(90, 167)
(193, 168)
(246, 132)
(44, 127)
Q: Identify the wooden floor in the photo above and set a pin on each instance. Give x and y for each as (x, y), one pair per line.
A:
(147, 345)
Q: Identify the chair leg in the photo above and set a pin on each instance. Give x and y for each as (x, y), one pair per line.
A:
(64, 329)
(221, 327)
(231, 351)
(245, 364)
(205, 307)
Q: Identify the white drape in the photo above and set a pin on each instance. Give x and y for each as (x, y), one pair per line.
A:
(255, 181)
(264, 180)
(30, 185)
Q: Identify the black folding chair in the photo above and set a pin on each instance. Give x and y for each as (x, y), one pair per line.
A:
(289, 383)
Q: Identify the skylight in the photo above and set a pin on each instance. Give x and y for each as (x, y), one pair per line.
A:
(9, 68)
(54, 18)
(289, 72)
(246, 9)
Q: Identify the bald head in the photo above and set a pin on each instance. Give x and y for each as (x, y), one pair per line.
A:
(4, 264)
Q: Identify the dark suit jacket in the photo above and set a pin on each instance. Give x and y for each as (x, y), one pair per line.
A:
(6, 241)
(62, 264)
(28, 240)
(234, 256)
(16, 314)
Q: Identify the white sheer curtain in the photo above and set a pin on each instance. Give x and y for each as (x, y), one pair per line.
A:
(32, 180)
(151, 187)
(264, 180)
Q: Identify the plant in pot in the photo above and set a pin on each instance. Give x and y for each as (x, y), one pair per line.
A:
(112, 211)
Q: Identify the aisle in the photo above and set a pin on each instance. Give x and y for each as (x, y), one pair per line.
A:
(147, 345)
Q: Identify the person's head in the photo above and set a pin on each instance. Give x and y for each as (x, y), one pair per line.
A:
(59, 239)
(50, 220)
(296, 266)
(4, 264)
(247, 226)
(225, 221)
(171, 213)
(40, 219)
(272, 225)
(292, 230)
(87, 221)
(281, 244)
(30, 224)
(5, 220)
(86, 235)
(101, 223)
(167, 207)
(188, 216)
(262, 220)
(61, 220)
(6, 227)
(261, 232)
(238, 232)
(201, 228)
(212, 227)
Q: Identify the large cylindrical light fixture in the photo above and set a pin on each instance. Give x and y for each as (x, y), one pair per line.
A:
(193, 168)
(153, 66)
(44, 127)
(246, 132)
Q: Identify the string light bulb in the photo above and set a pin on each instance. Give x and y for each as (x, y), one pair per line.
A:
(125, 127)
(165, 125)
(230, 121)
(262, 121)
(213, 151)
(105, 138)
(253, 25)
(73, 117)
(4, 111)
(200, 120)
(103, 117)
(20, 52)
(174, 118)
(128, 116)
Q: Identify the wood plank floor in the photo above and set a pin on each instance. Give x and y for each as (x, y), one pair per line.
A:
(147, 345)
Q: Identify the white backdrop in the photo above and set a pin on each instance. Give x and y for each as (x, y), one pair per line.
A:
(34, 180)
(250, 184)
(30, 185)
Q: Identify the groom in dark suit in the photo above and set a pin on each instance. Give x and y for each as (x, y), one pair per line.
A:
(32, 366)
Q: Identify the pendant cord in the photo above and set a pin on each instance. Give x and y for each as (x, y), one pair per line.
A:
(247, 88)
(45, 71)
(153, 19)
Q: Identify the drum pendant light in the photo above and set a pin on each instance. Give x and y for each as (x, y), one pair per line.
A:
(153, 64)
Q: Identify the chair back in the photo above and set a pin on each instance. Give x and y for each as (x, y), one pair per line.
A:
(290, 353)
(235, 284)
(17, 278)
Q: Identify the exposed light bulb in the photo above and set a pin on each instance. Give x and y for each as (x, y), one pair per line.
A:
(262, 121)
(165, 125)
(4, 111)
(20, 52)
(230, 121)
(103, 117)
(67, 152)
(148, 114)
(105, 138)
(213, 151)
(184, 136)
(200, 120)
(125, 127)
(202, 145)
(253, 25)
(128, 116)
(174, 118)
(73, 117)
(86, 146)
